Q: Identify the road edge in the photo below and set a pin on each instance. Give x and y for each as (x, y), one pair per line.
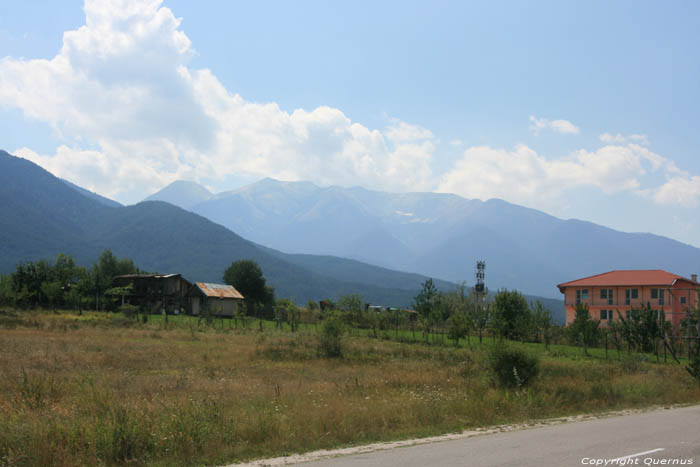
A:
(386, 445)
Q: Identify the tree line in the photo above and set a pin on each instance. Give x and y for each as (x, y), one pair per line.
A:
(461, 313)
(64, 284)
(641, 329)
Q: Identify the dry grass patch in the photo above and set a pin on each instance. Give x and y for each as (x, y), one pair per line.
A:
(99, 394)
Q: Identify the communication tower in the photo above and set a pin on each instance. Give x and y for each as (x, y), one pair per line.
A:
(480, 290)
(480, 274)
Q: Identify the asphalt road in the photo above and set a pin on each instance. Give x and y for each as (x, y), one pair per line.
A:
(659, 437)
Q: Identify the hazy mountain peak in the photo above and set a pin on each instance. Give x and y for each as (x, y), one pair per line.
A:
(269, 182)
(182, 193)
(269, 185)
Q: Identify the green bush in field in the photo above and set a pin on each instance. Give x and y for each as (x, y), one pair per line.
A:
(512, 367)
(330, 339)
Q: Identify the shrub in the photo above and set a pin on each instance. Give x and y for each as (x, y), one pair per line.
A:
(512, 367)
(330, 342)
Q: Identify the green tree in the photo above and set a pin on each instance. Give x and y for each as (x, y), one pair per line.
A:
(481, 317)
(74, 299)
(7, 292)
(457, 327)
(458, 302)
(425, 302)
(286, 311)
(247, 277)
(542, 321)
(330, 337)
(353, 307)
(53, 293)
(643, 328)
(427, 305)
(584, 330)
(27, 280)
(511, 314)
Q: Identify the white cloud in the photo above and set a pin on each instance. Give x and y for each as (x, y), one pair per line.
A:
(401, 132)
(683, 190)
(560, 126)
(133, 117)
(525, 177)
(120, 85)
(622, 139)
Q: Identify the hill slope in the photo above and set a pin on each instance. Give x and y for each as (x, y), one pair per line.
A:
(41, 216)
(440, 235)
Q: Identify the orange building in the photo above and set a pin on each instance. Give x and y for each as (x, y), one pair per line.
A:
(610, 292)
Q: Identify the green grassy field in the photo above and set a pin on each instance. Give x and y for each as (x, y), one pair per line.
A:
(102, 389)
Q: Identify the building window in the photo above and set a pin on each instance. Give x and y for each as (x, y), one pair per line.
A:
(603, 315)
(661, 296)
(610, 315)
(682, 300)
(607, 294)
(654, 293)
(631, 294)
(581, 294)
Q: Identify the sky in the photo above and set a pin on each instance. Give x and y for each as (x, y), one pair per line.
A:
(586, 110)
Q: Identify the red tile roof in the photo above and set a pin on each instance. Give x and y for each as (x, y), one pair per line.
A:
(628, 277)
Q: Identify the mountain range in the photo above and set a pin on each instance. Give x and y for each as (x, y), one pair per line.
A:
(41, 216)
(434, 234)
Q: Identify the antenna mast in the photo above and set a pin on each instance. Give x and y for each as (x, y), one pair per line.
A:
(479, 288)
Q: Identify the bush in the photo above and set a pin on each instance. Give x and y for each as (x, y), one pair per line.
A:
(513, 367)
(330, 342)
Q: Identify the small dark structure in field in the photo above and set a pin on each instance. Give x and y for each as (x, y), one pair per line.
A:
(216, 299)
(156, 293)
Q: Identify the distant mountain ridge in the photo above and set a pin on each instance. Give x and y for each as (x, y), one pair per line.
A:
(41, 216)
(438, 235)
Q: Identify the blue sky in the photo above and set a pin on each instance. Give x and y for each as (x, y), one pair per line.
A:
(581, 109)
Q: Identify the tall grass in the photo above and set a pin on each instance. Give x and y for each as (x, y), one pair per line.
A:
(94, 390)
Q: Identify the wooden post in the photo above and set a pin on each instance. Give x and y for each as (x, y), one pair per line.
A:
(605, 333)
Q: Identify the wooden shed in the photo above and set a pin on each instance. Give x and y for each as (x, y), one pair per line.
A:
(157, 292)
(220, 299)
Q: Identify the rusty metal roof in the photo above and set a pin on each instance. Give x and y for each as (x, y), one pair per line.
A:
(218, 290)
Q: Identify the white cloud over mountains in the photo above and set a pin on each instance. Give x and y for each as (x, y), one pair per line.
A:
(134, 117)
(525, 177)
(120, 86)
